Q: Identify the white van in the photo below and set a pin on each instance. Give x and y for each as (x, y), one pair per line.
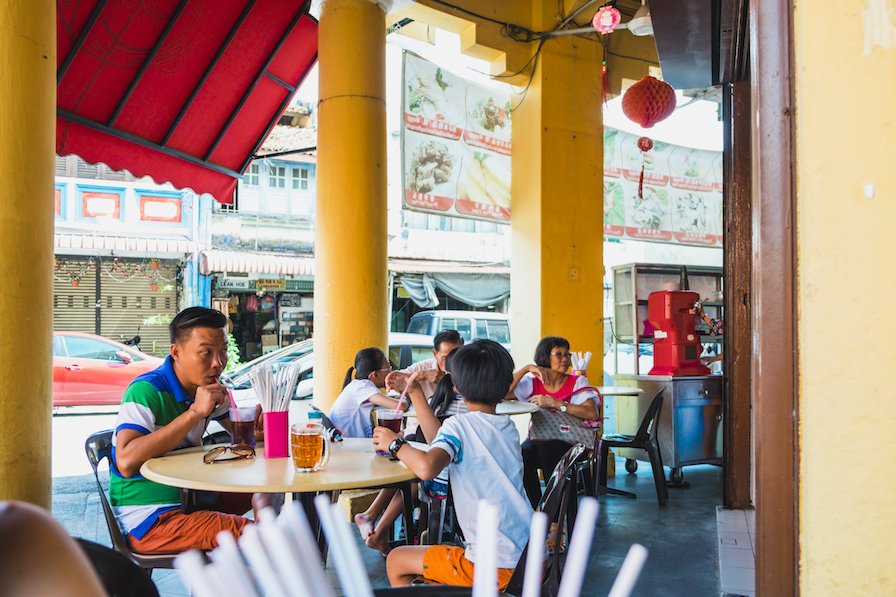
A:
(472, 325)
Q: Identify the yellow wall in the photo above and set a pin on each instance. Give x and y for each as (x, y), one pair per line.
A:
(845, 86)
(27, 129)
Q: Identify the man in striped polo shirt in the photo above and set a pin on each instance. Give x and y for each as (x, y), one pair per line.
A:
(167, 409)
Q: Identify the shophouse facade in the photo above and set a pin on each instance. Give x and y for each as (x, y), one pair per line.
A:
(260, 260)
(126, 253)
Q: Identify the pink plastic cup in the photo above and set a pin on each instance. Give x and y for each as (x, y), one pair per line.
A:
(276, 434)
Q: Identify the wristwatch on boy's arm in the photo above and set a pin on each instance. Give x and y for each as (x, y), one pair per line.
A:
(395, 445)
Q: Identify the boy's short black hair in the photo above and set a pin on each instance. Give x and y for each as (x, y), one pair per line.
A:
(449, 336)
(194, 317)
(482, 371)
(544, 348)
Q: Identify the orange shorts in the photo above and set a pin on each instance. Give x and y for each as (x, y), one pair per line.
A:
(446, 565)
(175, 531)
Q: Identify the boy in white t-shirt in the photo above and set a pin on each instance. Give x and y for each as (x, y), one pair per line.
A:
(482, 452)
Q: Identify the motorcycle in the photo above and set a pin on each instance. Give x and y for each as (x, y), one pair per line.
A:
(134, 341)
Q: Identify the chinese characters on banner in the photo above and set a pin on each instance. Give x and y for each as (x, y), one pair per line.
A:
(682, 198)
(456, 144)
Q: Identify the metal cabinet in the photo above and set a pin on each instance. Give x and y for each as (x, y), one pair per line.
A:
(690, 430)
(633, 283)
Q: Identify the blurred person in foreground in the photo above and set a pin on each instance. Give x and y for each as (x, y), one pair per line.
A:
(167, 409)
(481, 450)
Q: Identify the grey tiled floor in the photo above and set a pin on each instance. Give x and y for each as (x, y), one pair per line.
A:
(737, 555)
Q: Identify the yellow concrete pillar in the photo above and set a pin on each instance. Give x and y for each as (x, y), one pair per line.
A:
(557, 259)
(27, 137)
(350, 287)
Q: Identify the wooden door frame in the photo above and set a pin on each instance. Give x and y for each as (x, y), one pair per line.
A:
(774, 368)
(738, 350)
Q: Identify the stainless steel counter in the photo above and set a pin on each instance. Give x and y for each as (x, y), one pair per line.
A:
(690, 429)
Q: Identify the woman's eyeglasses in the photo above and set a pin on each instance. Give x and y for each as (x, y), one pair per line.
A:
(560, 355)
(239, 451)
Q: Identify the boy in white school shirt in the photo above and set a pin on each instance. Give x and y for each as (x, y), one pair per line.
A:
(482, 452)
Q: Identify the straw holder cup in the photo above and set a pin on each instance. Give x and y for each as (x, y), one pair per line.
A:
(276, 434)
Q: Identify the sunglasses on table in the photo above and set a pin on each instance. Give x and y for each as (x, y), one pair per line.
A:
(239, 451)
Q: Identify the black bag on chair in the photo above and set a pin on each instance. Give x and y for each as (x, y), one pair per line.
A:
(194, 500)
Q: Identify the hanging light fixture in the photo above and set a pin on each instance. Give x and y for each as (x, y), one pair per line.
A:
(641, 24)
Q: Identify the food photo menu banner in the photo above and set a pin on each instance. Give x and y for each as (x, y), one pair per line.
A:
(455, 144)
(682, 196)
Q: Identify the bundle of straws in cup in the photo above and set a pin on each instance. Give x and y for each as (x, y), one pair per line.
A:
(274, 391)
(279, 557)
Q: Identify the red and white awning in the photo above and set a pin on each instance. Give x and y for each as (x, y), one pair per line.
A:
(183, 91)
(255, 263)
(88, 244)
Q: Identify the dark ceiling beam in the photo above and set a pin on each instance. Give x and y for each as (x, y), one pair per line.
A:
(701, 43)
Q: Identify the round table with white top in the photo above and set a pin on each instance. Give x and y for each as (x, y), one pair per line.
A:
(353, 464)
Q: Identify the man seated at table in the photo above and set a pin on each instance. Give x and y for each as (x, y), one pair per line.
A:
(388, 505)
(167, 409)
(431, 370)
(481, 450)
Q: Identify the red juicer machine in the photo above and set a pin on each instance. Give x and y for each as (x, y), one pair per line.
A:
(676, 344)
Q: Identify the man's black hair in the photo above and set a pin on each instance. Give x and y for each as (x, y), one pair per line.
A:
(449, 336)
(482, 371)
(544, 348)
(195, 317)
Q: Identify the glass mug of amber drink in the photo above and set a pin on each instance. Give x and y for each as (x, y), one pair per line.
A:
(310, 448)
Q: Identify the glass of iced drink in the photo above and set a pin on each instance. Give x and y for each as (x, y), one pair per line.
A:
(389, 419)
(242, 425)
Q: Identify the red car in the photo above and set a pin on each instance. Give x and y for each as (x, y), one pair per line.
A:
(89, 369)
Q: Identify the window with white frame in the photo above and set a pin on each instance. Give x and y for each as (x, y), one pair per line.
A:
(277, 177)
(300, 179)
(252, 175)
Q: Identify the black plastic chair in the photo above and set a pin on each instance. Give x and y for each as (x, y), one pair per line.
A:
(560, 502)
(99, 447)
(120, 576)
(645, 439)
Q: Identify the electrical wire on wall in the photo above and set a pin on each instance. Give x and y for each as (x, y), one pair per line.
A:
(523, 34)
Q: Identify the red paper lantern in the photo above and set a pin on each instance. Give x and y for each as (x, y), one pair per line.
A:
(648, 101)
(605, 19)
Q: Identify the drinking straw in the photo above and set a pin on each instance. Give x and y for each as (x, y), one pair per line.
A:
(190, 565)
(229, 393)
(352, 577)
(284, 555)
(252, 548)
(630, 571)
(485, 573)
(579, 549)
(401, 399)
(230, 566)
(533, 573)
(294, 521)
